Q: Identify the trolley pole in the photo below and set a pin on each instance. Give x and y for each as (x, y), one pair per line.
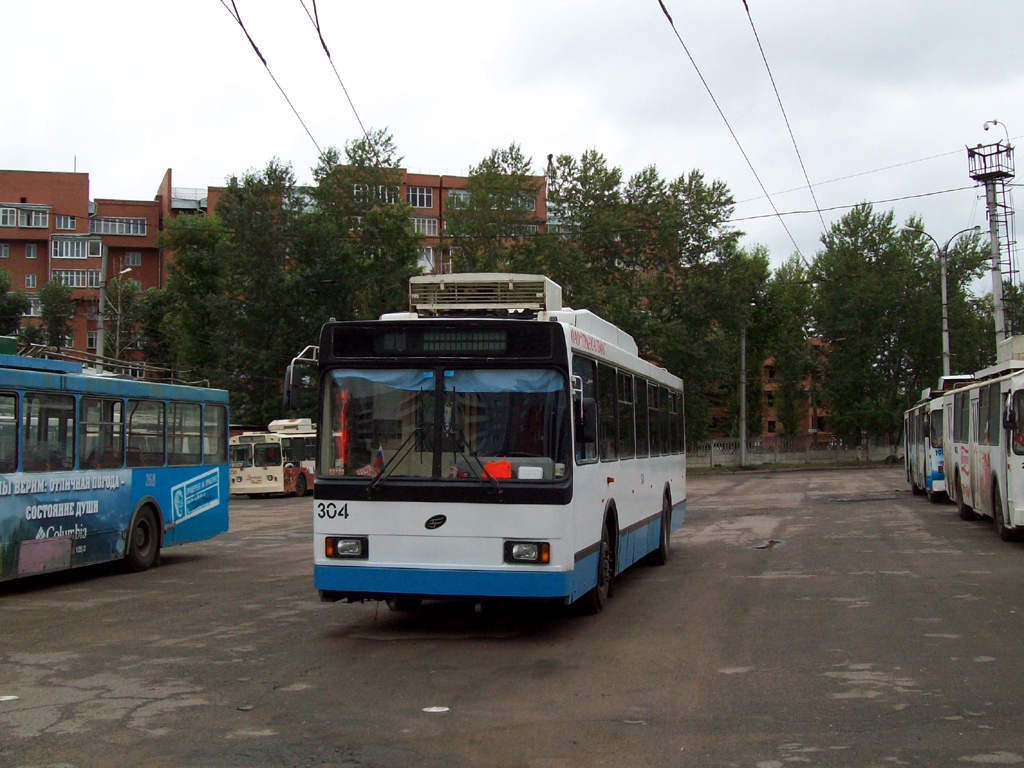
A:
(743, 395)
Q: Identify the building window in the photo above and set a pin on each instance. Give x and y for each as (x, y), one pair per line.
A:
(28, 217)
(420, 197)
(425, 227)
(35, 307)
(426, 260)
(30, 250)
(771, 427)
(133, 259)
(771, 372)
(8, 217)
(67, 248)
(94, 278)
(117, 225)
(73, 278)
(64, 222)
(5, 250)
(526, 202)
(364, 193)
(91, 339)
(30, 281)
(458, 198)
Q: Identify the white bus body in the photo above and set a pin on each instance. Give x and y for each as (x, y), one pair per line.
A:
(925, 432)
(278, 461)
(985, 432)
(490, 443)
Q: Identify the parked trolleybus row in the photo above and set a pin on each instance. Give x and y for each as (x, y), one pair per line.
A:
(965, 442)
(489, 443)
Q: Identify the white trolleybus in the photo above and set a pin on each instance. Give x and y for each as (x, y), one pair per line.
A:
(96, 468)
(985, 434)
(924, 436)
(279, 460)
(488, 444)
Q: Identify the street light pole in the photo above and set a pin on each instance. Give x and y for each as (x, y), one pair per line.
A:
(942, 252)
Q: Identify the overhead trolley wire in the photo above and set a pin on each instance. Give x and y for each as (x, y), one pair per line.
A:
(233, 10)
(314, 18)
(785, 117)
(750, 165)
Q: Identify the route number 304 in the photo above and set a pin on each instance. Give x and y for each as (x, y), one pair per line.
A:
(330, 511)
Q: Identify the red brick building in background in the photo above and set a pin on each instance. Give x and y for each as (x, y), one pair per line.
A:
(50, 227)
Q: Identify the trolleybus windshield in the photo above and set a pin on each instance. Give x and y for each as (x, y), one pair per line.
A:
(447, 424)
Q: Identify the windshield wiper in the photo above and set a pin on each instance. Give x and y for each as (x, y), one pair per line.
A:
(460, 440)
(394, 460)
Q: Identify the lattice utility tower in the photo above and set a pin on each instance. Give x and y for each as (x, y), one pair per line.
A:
(992, 165)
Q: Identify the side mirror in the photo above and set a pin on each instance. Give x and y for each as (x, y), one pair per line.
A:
(1009, 419)
(292, 385)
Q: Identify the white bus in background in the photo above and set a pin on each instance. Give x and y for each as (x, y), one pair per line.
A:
(278, 461)
(985, 434)
(489, 443)
(924, 431)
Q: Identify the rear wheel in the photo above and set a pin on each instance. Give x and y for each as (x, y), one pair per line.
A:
(916, 489)
(300, 485)
(143, 541)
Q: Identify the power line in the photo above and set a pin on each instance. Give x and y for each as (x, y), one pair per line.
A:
(727, 125)
(233, 11)
(847, 207)
(785, 117)
(314, 18)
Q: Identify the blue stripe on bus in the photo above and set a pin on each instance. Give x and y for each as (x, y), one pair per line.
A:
(442, 582)
(489, 583)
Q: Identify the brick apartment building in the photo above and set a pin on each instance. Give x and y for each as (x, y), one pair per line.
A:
(51, 228)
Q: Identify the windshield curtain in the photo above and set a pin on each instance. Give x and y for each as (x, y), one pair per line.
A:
(506, 424)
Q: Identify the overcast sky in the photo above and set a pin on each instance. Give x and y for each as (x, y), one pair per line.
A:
(882, 95)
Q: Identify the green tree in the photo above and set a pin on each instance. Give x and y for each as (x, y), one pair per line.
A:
(487, 231)
(659, 259)
(122, 315)
(13, 304)
(878, 307)
(789, 295)
(57, 308)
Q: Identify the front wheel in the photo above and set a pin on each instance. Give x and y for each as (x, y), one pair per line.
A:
(595, 600)
(143, 541)
(1005, 533)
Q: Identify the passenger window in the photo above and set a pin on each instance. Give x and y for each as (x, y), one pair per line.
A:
(8, 432)
(48, 432)
(607, 402)
(145, 420)
(101, 433)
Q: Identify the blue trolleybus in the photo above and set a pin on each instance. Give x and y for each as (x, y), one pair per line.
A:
(489, 443)
(96, 468)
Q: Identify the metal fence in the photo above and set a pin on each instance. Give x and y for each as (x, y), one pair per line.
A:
(798, 449)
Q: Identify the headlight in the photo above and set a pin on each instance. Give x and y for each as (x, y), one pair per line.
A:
(347, 547)
(528, 552)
